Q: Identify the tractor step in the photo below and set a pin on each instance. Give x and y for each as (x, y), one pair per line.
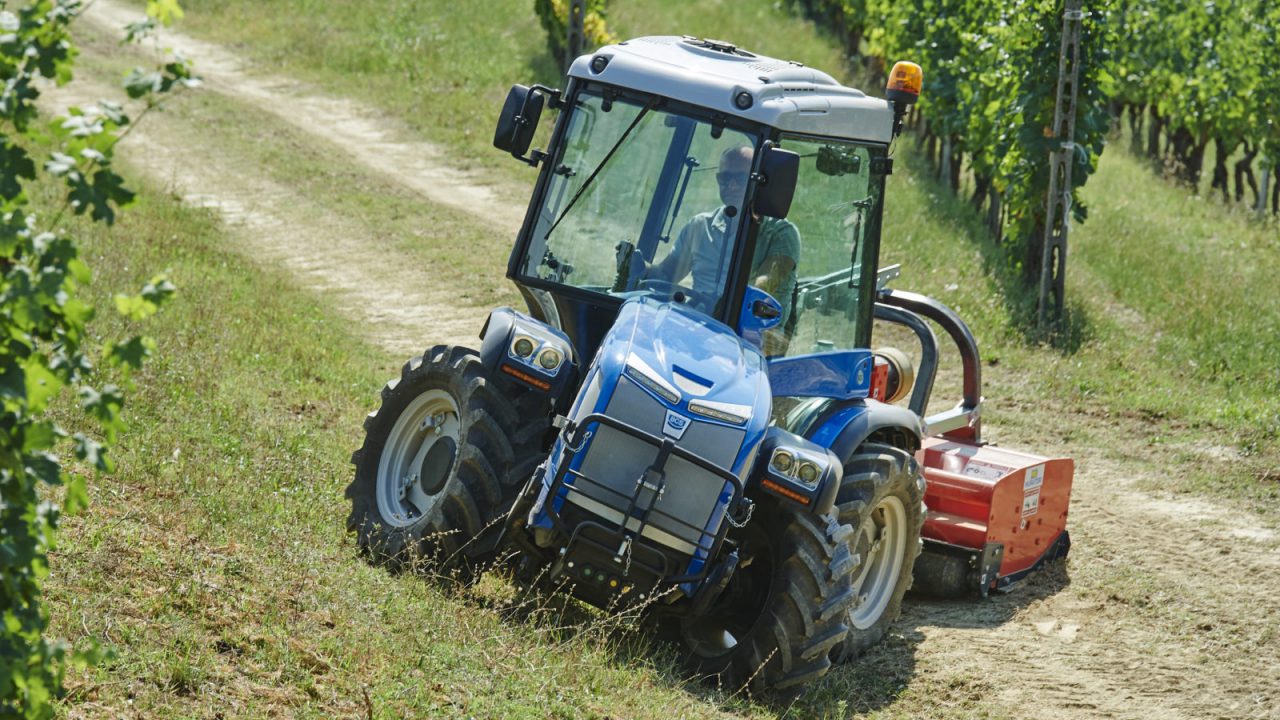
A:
(995, 515)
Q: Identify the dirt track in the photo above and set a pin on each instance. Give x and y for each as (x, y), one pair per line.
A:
(1167, 607)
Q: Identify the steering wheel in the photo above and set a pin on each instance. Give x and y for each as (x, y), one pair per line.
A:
(675, 291)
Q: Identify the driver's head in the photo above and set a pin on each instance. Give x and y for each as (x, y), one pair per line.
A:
(735, 168)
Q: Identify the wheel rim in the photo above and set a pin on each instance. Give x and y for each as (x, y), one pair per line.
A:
(417, 460)
(740, 606)
(882, 541)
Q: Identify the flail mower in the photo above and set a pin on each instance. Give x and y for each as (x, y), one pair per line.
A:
(688, 419)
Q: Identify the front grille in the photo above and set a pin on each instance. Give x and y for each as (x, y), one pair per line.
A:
(690, 501)
(688, 511)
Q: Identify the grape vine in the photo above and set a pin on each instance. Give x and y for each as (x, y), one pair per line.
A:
(46, 350)
(554, 15)
(991, 72)
(1191, 74)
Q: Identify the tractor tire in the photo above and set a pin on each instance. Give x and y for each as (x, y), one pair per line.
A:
(442, 462)
(774, 626)
(882, 499)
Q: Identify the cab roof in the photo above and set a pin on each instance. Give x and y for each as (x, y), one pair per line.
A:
(719, 76)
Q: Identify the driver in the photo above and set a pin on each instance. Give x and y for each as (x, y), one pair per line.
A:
(700, 251)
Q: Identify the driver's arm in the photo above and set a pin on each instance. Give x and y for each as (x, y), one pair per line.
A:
(677, 263)
(772, 272)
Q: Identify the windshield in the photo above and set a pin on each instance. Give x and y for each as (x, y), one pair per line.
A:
(831, 253)
(642, 200)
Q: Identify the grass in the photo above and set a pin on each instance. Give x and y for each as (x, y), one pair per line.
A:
(215, 562)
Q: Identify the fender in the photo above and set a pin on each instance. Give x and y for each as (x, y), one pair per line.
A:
(499, 352)
(843, 427)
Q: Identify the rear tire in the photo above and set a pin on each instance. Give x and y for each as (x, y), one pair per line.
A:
(882, 499)
(775, 624)
(442, 461)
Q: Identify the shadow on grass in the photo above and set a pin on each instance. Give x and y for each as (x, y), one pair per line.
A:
(879, 678)
(629, 640)
(1067, 334)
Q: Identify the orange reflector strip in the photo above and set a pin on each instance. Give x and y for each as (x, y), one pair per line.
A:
(768, 484)
(541, 384)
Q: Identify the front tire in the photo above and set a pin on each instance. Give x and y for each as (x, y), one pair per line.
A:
(882, 498)
(442, 461)
(775, 624)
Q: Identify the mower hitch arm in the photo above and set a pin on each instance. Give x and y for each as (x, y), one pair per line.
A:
(961, 422)
(923, 387)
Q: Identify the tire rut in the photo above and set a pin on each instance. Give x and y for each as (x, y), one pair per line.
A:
(379, 290)
(367, 139)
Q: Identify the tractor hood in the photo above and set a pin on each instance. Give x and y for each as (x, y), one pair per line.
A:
(694, 366)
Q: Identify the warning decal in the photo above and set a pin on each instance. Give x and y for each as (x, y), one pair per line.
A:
(985, 470)
(1031, 504)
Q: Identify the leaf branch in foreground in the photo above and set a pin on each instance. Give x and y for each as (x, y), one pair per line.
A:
(43, 321)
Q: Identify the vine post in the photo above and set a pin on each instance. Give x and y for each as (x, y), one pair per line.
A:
(1053, 265)
(574, 41)
(1264, 192)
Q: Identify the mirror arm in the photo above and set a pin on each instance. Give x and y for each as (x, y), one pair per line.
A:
(535, 158)
(554, 100)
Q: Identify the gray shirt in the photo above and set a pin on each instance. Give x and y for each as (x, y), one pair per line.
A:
(702, 249)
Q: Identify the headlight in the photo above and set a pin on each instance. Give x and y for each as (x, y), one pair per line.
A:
(522, 346)
(550, 358)
(782, 461)
(736, 414)
(808, 473)
(803, 466)
(647, 377)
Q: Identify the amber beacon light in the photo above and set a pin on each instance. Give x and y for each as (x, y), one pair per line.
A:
(903, 90)
(904, 83)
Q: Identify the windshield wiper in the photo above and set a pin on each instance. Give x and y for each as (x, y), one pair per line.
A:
(690, 163)
(855, 220)
(605, 161)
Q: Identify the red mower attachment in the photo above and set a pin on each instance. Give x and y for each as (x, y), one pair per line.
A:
(994, 516)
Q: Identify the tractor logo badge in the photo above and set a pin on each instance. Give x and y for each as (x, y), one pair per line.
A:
(675, 425)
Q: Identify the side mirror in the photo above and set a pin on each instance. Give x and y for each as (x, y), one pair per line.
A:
(519, 120)
(760, 311)
(777, 184)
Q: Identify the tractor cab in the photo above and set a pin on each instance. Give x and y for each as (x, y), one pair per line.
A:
(747, 189)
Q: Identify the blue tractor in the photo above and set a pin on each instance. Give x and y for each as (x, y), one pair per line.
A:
(687, 418)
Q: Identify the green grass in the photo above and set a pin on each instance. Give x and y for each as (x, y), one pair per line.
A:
(443, 67)
(1175, 326)
(215, 563)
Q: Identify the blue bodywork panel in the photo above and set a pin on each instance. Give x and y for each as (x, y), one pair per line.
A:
(671, 366)
(840, 375)
(826, 433)
(750, 326)
(690, 351)
(850, 423)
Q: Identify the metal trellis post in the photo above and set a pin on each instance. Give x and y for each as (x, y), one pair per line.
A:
(1053, 264)
(573, 43)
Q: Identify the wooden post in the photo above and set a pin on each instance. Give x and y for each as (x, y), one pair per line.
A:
(1264, 195)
